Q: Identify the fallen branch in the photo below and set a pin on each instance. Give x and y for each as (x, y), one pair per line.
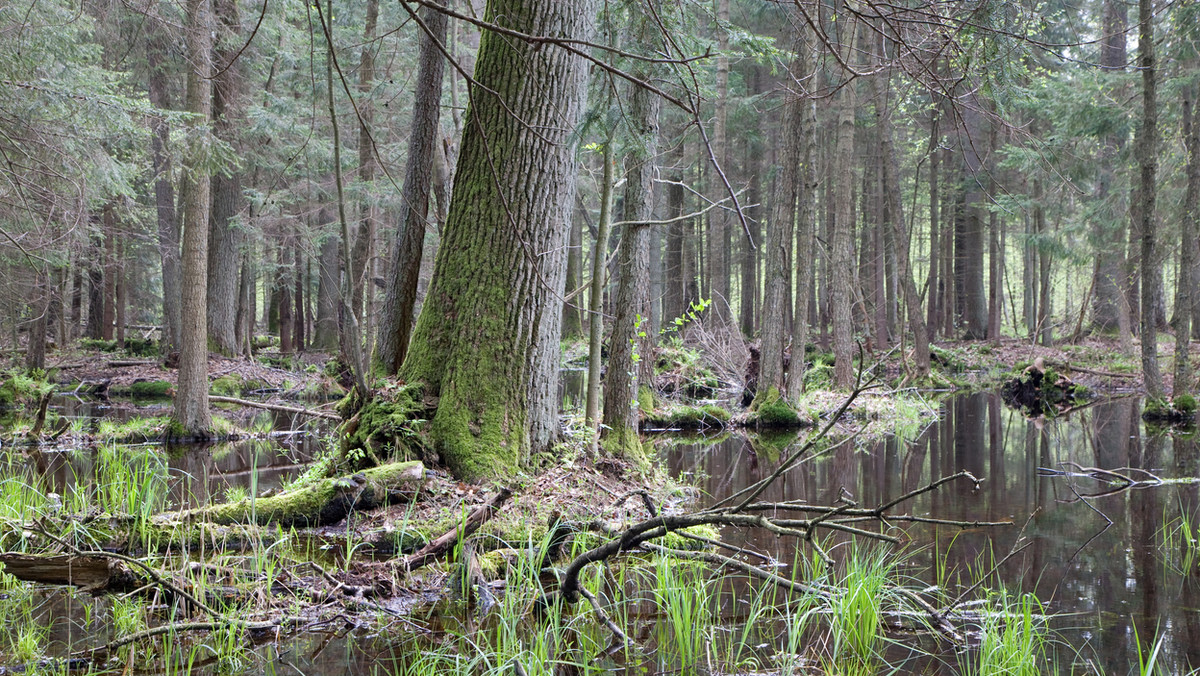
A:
(440, 545)
(275, 407)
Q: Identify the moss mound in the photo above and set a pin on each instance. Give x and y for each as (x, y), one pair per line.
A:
(1180, 411)
(681, 417)
(771, 410)
(390, 425)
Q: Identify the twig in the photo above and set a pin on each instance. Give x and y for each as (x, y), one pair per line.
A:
(603, 616)
(441, 544)
(275, 407)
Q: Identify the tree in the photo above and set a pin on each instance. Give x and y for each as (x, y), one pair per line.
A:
(1147, 152)
(842, 240)
(487, 340)
(629, 345)
(191, 416)
(395, 326)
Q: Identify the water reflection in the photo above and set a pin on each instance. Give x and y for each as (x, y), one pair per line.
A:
(1102, 581)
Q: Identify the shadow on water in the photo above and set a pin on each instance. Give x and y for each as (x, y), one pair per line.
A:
(1099, 581)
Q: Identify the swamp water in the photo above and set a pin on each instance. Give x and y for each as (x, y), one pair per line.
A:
(1109, 590)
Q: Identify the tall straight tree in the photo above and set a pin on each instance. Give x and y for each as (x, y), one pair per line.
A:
(224, 237)
(842, 237)
(629, 341)
(1108, 304)
(396, 323)
(718, 220)
(191, 415)
(1147, 152)
(1185, 285)
(487, 340)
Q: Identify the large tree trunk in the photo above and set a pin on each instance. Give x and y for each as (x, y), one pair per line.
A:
(487, 340)
(191, 414)
(224, 238)
(1147, 151)
(777, 276)
(629, 350)
(396, 322)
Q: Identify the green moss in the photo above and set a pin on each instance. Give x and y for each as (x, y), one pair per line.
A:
(626, 444)
(389, 425)
(149, 389)
(228, 385)
(1156, 408)
(136, 431)
(1184, 403)
(646, 400)
(770, 444)
(19, 388)
(674, 540)
(771, 410)
(98, 344)
(307, 504)
(688, 417)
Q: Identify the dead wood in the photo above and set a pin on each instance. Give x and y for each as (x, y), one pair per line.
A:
(275, 407)
(123, 363)
(91, 573)
(443, 543)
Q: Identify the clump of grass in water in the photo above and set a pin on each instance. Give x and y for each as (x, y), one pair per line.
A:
(856, 609)
(684, 594)
(1012, 638)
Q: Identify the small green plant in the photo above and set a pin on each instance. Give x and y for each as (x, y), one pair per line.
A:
(128, 615)
(1012, 638)
(684, 596)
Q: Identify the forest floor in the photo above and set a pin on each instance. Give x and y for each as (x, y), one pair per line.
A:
(369, 557)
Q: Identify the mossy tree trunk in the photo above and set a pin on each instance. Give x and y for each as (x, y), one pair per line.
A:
(629, 349)
(191, 415)
(487, 339)
(396, 322)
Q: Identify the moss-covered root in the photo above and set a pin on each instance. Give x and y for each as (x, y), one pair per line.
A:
(324, 502)
(770, 410)
(624, 443)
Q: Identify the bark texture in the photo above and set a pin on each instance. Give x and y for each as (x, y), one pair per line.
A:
(842, 240)
(164, 193)
(487, 340)
(396, 322)
(629, 350)
(1147, 151)
(191, 414)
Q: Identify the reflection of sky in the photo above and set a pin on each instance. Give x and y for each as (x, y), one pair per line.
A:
(1096, 589)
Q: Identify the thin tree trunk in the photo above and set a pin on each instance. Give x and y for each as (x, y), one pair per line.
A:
(108, 315)
(933, 295)
(572, 316)
(164, 193)
(35, 350)
(596, 297)
(1147, 151)
(283, 293)
(325, 334)
(779, 239)
(396, 322)
(365, 238)
(718, 222)
(1184, 284)
(806, 198)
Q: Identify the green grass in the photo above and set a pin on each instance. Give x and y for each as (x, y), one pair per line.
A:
(1012, 638)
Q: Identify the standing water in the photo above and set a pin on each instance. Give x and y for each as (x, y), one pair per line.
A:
(1110, 564)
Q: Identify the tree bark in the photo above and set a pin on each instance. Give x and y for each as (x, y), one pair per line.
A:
(596, 296)
(572, 313)
(487, 340)
(191, 415)
(1107, 227)
(718, 222)
(396, 322)
(630, 350)
(1184, 284)
(777, 276)
(325, 333)
(842, 239)
(365, 239)
(806, 194)
(1147, 146)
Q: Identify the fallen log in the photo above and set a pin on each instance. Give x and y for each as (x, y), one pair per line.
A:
(86, 572)
(275, 407)
(444, 542)
(121, 363)
(321, 503)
